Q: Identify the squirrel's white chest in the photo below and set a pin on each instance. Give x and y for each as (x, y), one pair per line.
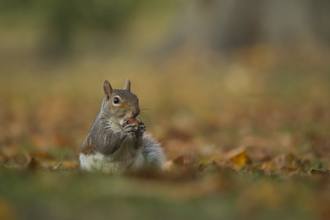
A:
(125, 158)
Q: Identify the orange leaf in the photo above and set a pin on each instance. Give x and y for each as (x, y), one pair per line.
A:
(70, 164)
(240, 158)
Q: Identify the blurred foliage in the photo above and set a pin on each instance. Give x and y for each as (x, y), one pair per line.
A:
(107, 14)
(61, 18)
(227, 25)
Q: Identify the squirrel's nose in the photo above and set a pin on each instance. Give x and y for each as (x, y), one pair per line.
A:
(135, 112)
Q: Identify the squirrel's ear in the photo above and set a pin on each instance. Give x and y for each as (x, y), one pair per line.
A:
(107, 89)
(127, 85)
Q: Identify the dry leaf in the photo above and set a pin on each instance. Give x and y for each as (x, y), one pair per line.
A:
(286, 161)
(267, 166)
(240, 158)
(66, 164)
(70, 164)
(323, 173)
(178, 160)
(168, 165)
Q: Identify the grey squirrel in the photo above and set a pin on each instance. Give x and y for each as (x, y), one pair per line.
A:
(117, 141)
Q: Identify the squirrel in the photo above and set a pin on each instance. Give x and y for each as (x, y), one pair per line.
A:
(117, 141)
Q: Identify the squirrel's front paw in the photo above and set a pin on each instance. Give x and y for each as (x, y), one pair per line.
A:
(131, 129)
(142, 128)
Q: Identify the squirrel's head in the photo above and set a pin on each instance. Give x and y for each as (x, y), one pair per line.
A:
(120, 103)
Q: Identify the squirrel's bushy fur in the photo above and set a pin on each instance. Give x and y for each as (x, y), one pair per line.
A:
(113, 146)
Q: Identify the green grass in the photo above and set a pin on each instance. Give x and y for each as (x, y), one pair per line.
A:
(76, 195)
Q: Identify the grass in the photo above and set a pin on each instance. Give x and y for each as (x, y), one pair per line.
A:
(75, 195)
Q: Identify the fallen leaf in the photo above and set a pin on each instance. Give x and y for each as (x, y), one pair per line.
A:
(287, 161)
(168, 165)
(41, 155)
(267, 166)
(67, 165)
(240, 158)
(178, 160)
(323, 173)
(70, 164)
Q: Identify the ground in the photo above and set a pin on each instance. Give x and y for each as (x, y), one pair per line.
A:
(245, 137)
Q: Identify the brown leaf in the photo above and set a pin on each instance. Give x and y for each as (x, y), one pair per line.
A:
(267, 166)
(41, 155)
(287, 161)
(323, 173)
(178, 160)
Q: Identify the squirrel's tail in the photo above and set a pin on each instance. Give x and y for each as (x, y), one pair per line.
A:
(153, 153)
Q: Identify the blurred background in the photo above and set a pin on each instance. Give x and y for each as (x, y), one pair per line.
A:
(237, 92)
(212, 75)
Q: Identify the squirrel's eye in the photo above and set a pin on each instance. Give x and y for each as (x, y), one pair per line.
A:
(116, 100)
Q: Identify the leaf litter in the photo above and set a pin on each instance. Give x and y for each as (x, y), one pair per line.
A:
(256, 150)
